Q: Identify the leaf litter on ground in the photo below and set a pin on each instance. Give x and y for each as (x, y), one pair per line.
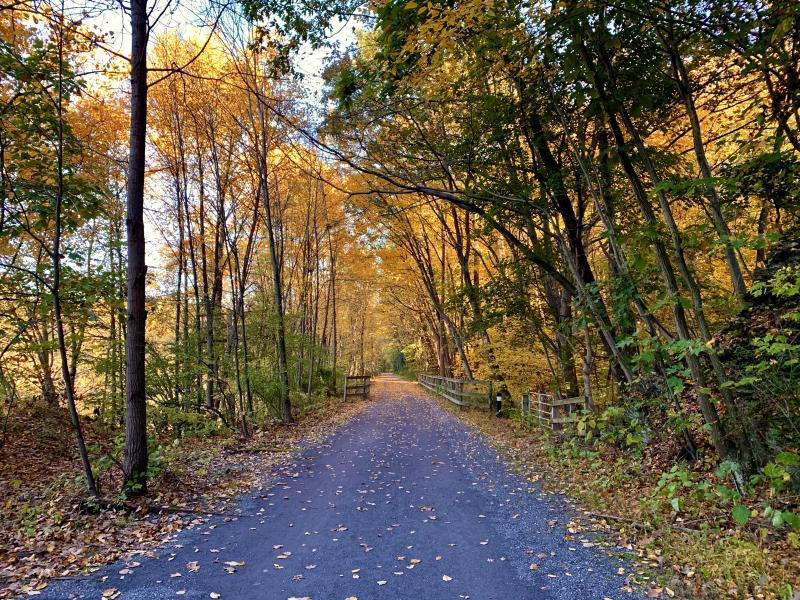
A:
(47, 530)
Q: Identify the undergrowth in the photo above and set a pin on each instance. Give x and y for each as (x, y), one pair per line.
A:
(680, 523)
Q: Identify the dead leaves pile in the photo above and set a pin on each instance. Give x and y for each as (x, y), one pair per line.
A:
(46, 532)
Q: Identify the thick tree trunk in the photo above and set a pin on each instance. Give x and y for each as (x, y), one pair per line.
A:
(46, 383)
(135, 452)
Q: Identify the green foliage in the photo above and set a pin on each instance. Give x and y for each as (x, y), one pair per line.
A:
(771, 176)
(614, 426)
(741, 514)
(266, 390)
(778, 473)
(285, 26)
(684, 489)
(179, 422)
(159, 456)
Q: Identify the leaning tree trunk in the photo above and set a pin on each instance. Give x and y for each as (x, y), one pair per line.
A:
(717, 217)
(707, 408)
(69, 380)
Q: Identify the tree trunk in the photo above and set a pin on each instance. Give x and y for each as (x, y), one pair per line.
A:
(717, 217)
(334, 332)
(277, 285)
(69, 381)
(135, 453)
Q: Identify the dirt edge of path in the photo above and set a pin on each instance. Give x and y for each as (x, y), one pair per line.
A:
(59, 540)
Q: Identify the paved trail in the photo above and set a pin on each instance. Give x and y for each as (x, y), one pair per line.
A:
(402, 502)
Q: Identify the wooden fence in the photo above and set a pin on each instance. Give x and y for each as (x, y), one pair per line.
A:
(461, 392)
(548, 409)
(356, 385)
(551, 410)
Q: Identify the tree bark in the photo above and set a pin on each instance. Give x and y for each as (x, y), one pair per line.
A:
(277, 285)
(67, 374)
(135, 452)
(717, 217)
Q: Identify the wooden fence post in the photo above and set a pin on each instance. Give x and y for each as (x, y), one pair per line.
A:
(539, 406)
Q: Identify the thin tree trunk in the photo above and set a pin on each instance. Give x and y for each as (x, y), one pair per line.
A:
(717, 217)
(747, 444)
(283, 370)
(177, 350)
(334, 332)
(113, 327)
(69, 387)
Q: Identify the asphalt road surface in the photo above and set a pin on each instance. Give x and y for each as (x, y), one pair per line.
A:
(402, 502)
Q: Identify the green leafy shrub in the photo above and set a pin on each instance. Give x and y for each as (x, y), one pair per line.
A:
(615, 426)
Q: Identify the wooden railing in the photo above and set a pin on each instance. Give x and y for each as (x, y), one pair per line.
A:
(551, 410)
(356, 385)
(461, 392)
